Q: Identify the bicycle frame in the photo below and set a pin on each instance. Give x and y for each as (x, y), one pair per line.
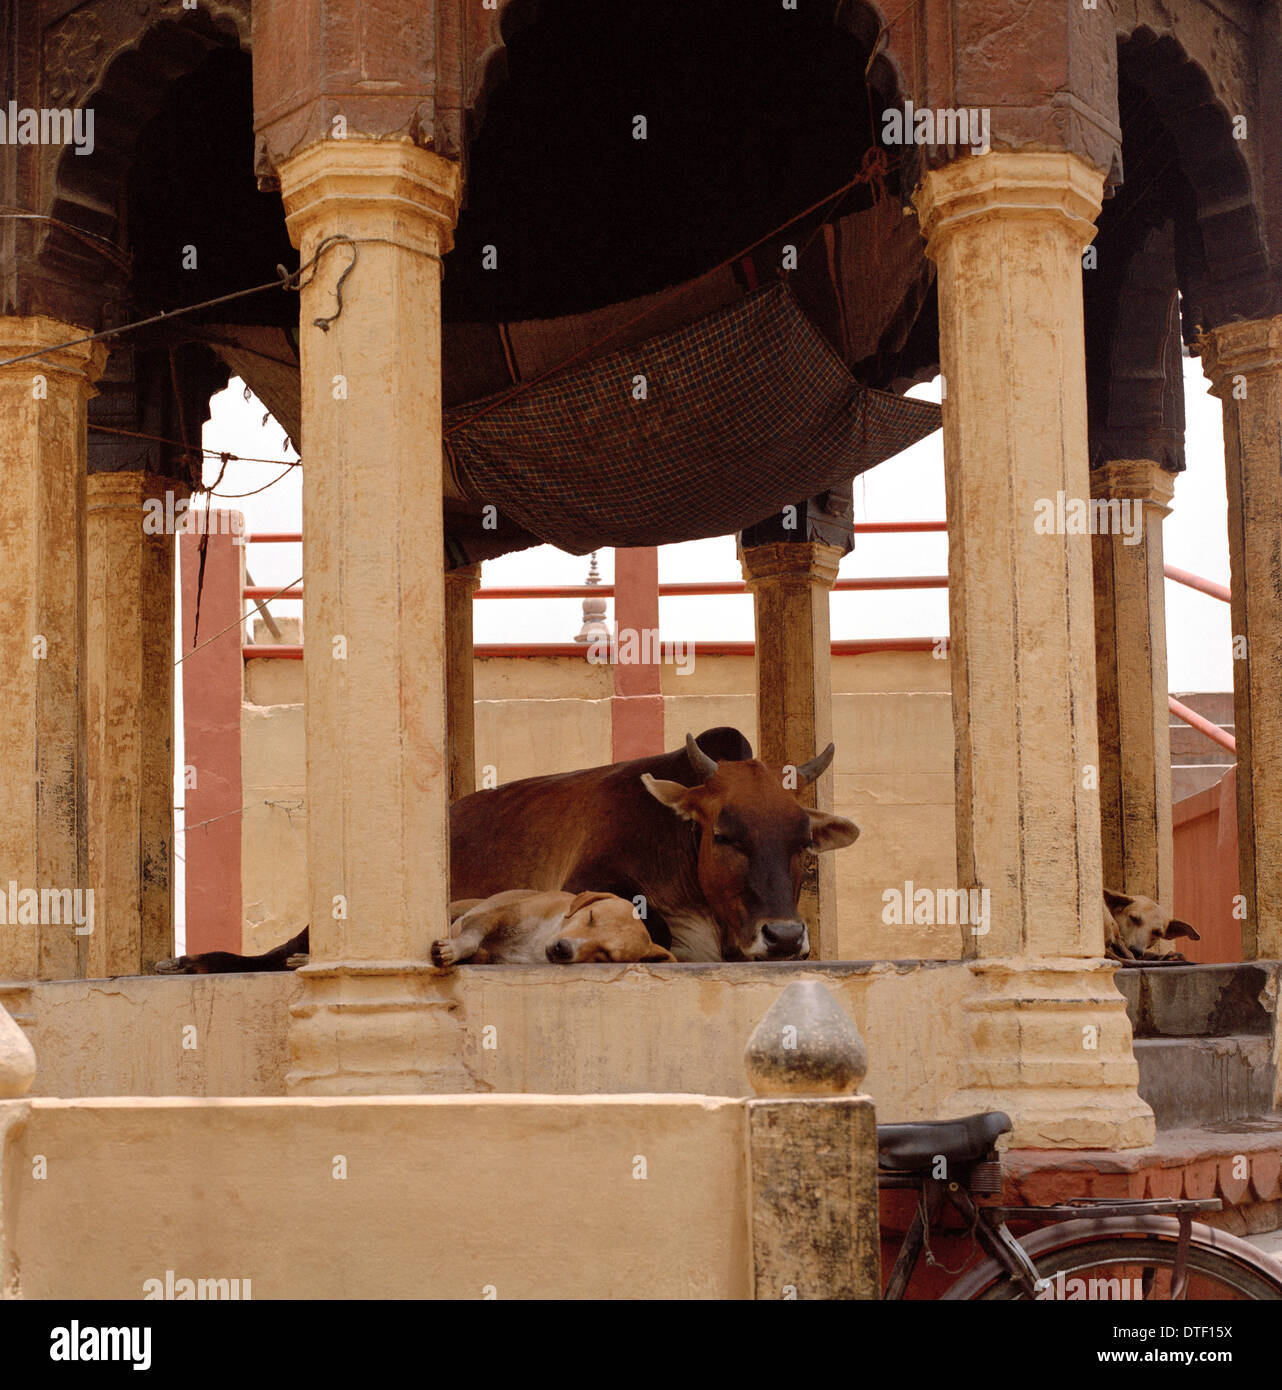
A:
(988, 1226)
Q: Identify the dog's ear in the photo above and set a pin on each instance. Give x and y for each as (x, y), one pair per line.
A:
(1117, 902)
(657, 953)
(582, 901)
(1178, 928)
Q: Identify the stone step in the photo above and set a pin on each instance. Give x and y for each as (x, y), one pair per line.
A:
(1189, 745)
(1188, 780)
(1195, 1081)
(1215, 705)
(1190, 1001)
(1204, 1039)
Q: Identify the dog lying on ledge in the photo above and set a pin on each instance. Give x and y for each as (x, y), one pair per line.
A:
(526, 927)
(1136, 928)
(519, 927)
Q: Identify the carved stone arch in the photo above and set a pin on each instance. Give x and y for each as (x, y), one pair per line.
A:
(490, 68)
(862, 20)
(1223, 260)
(883, 39)
(79, 48)
(132, 61)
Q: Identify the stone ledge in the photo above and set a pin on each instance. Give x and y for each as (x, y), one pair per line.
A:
(1180, 1163)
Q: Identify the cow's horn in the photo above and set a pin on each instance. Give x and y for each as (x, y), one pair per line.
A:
(816, 767)
(699, 760)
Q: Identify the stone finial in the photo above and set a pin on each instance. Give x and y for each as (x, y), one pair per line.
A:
(595, 628)
(805, 1045)
(17, 1060)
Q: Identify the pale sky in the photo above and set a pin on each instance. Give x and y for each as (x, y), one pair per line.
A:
(907, 487)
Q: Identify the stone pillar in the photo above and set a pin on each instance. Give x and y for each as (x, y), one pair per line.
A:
(812, 1153)
(370, 1020)
(130, 547)
(1047, 1031)
(43, 404)
(790, 583)
(1244, 364)
(213, 677)
(460, 585)
(636, 709)
(1130, 680)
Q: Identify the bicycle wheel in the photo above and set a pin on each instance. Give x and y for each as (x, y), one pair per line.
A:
(1131, 1258)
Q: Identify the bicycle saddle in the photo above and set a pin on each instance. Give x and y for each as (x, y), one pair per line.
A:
(909, 1148)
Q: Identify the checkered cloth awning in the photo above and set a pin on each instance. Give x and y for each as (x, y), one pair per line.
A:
(697, 432)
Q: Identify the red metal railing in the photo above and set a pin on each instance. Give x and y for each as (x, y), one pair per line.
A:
(1180, 711)
(694, 589)
(840, 647)
(1195, 581)
(1203, 726)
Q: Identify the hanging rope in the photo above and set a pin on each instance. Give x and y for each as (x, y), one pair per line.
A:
(293, 584)
(285, 280)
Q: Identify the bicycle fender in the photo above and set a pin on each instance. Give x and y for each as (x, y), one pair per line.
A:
(1064, 1235)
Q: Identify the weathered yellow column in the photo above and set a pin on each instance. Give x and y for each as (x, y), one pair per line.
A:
(1130, 678)
(790, 583)
(1244, 364)
(1046, 1029)
(460, 585)
(42, 639)
(130, 545)
(377, 760)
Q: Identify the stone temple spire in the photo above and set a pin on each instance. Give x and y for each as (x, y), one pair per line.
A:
(594, 626)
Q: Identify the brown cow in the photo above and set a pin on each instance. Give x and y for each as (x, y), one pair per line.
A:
(710, 843)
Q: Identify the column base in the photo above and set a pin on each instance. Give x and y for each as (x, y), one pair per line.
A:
(1049, 1042)
(366, 1028)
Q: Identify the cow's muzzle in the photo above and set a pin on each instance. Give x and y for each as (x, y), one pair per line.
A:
(782, 941)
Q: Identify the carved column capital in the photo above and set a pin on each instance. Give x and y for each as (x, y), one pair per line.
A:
(1142, 479)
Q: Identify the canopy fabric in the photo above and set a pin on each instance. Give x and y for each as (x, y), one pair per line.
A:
(696, 432)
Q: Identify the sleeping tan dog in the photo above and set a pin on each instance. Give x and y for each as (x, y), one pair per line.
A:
(526, 927)
(1136, 928)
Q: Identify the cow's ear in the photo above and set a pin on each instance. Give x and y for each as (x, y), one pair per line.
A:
(582, 901)
(671, 794)
(1178, 928)
(831, 832)
(1117, 902)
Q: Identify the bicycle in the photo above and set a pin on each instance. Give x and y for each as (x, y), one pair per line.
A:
(1143, 1249)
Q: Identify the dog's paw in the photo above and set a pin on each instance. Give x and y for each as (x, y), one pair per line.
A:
(444, 953)
(174, 966)
(297, 960)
